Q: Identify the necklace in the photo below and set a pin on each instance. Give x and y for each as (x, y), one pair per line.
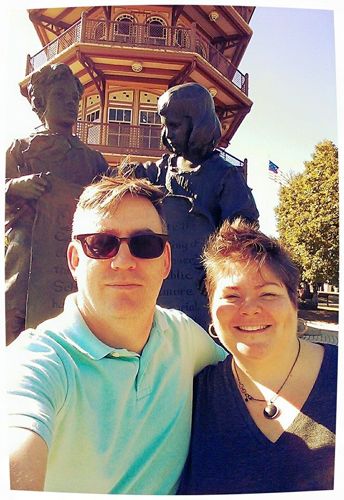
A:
(270, 410)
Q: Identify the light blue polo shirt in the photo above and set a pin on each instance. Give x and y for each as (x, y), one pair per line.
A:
(114, 421)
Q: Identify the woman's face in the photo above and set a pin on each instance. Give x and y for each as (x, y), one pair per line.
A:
(252, 312)
(177, 129)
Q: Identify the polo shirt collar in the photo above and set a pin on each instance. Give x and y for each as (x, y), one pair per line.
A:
(159, 320)
(76, 331)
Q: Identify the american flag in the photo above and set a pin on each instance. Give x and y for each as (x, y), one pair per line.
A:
(273, 168)
(275, 174)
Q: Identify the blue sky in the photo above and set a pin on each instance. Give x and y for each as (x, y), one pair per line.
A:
(292, 68)
(291, 63)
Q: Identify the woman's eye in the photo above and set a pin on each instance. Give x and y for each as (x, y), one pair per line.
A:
(268, 294)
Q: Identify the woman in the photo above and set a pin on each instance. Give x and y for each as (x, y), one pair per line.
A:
(264, 419)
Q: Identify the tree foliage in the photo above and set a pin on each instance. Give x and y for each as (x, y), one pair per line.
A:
(308, 216)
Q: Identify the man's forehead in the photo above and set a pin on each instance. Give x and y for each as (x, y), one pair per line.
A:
(121, 215)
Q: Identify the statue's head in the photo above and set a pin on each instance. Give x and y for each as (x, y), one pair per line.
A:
(189, 110)
(42, 82)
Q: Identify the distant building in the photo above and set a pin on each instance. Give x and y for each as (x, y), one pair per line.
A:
(126, 57)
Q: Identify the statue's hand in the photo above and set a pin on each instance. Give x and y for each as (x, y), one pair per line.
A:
(29, 187)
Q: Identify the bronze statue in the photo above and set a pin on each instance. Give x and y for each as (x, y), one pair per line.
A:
(42, 169)
(202, 190)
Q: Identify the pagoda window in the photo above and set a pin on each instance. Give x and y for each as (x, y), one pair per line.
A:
(119, 127)
(120, 115)
(181, 37)
(93, 116)
(150, 129)
(200, 49)
(157, 31)
(93, 127)
(124, 27)
(149, 118)
(98, 30)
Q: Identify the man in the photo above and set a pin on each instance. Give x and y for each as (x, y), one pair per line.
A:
(51, 160)
(100, 397)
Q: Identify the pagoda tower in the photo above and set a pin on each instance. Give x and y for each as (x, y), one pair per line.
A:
(127, 56)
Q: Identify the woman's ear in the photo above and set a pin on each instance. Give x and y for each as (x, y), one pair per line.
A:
(73, 257)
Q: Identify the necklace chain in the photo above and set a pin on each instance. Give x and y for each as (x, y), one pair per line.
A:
(248, 396)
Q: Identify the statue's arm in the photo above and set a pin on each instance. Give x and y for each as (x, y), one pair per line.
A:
(19, 187)
(236, 198)
(12, 170)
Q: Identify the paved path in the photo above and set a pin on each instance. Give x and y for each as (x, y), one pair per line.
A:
(321, 332)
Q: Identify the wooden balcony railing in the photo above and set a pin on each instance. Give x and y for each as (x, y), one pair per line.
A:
(120, 33)
(235, 162)
(125, 139)
(122, 138)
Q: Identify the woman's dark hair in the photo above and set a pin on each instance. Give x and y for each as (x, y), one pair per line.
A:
(194, 102)
(242, 241)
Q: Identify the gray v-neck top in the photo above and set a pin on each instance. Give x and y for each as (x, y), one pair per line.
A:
(229, 454)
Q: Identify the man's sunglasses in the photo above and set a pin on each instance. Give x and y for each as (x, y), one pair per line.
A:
(106, 246)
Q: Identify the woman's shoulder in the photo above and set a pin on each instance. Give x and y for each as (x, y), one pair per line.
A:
(211, 374)
(331, 354)
(321, 357)
(328, 361)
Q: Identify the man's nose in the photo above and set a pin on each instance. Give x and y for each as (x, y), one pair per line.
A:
(123, 259)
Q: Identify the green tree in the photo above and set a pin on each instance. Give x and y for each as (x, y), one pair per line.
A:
(308, 216)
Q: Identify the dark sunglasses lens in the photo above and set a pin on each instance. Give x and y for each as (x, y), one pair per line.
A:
(101, 246)
(147, 246)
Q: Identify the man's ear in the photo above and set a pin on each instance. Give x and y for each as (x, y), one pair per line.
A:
(167, 260)
(73, 257)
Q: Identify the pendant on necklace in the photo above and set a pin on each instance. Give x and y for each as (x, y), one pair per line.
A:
(271, 411)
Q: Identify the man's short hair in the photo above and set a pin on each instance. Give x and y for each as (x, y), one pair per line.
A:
(103, 196)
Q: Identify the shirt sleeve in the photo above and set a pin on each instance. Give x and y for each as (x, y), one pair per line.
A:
(206, 351)
(36, 386)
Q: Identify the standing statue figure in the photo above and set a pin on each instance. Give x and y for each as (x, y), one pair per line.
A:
(202, 190)
(44, 174)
